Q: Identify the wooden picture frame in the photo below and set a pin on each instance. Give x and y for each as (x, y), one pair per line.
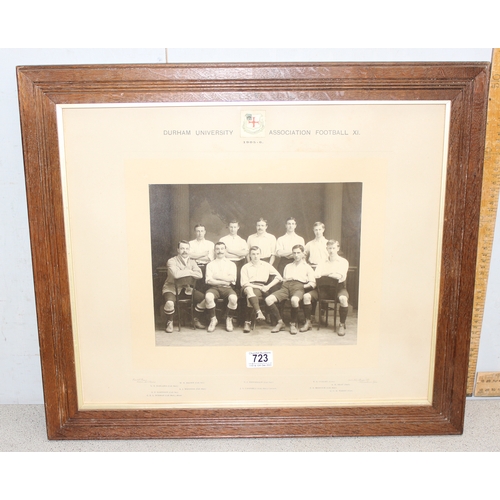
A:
(43, 90)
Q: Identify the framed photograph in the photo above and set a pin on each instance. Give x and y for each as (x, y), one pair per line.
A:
(186, 220)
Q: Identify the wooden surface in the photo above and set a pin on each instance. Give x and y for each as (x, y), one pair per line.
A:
(488, 214)
(41, 88)
(487, 384)
(22, 429)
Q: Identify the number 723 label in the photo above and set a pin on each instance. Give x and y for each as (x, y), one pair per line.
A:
(259, 359)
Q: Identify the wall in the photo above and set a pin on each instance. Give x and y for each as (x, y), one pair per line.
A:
(20, 378)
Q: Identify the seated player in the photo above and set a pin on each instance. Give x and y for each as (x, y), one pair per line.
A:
(334, 267)
(221, 277)
(254, 283)
(298, 277)
(181, 266)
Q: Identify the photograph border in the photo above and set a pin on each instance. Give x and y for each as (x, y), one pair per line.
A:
(42, 88)
(165, 243)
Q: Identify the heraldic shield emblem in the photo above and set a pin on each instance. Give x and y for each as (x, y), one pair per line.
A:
(252, 123)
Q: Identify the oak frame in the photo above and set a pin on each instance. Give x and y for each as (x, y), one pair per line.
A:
(42, 88)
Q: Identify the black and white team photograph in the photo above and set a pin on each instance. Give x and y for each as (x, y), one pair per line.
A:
(255, 264)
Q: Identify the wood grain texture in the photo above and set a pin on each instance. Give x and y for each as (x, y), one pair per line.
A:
(488, 215)
(41, 88)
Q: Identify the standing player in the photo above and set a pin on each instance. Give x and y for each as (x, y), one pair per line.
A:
(265, 241)
(236, 247)
(285, 243)
(316, 249)
(201, 250)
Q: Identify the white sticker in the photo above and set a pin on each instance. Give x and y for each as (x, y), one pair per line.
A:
(259, 359)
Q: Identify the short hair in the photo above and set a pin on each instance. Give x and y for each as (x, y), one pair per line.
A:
(262, 220)
(199, 225)
(330, 243)
(254, 249)
(316, 224)
(291, 218)
(219, 244)
(182, 242)
(234, 221)
(298, 246)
